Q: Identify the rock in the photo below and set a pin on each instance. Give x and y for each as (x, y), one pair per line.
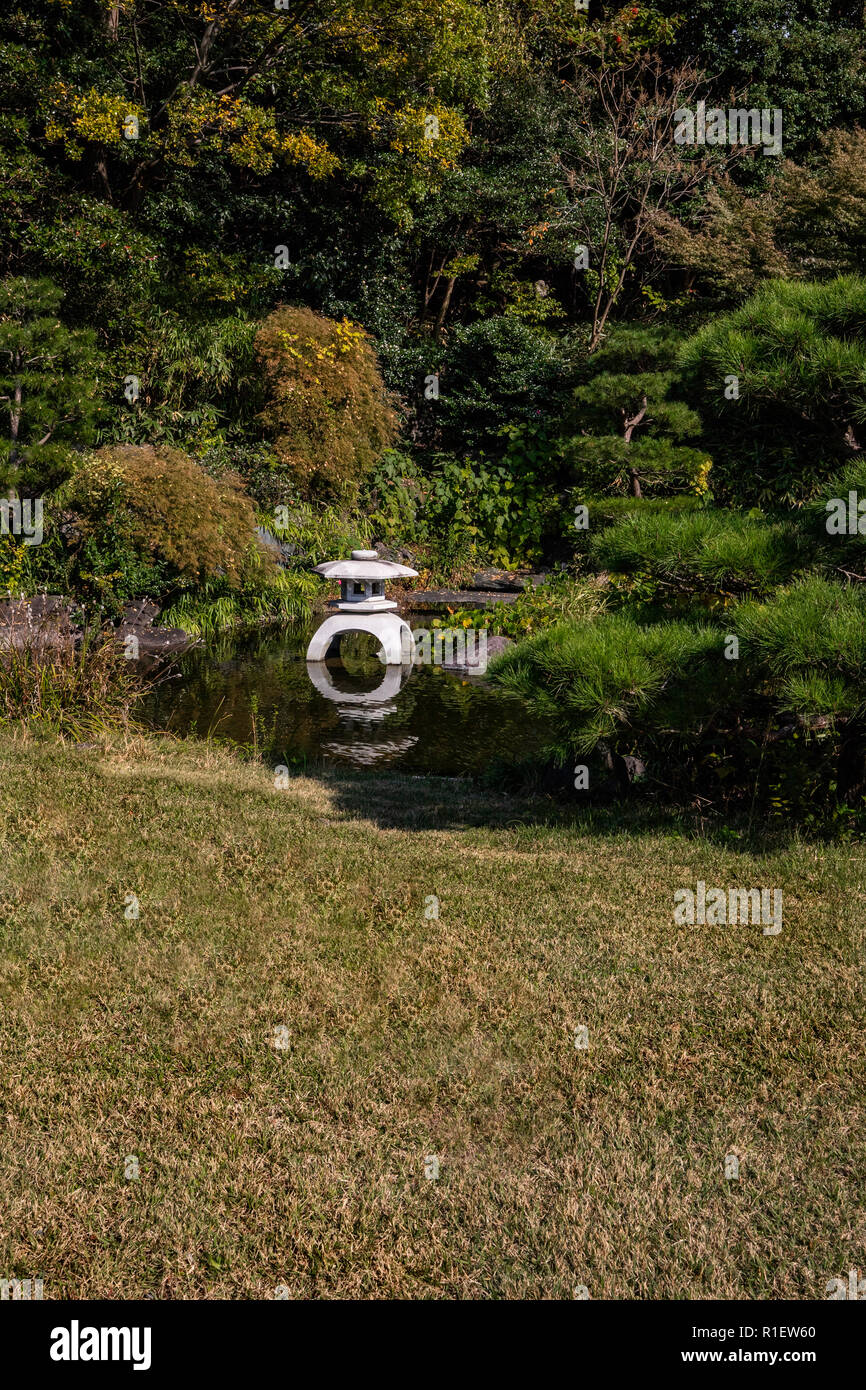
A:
(507, 581)
(141, 614)
(624, 770)
(282, 551)
(395, 555)
(43, 623)
(496, 645)
(137, 622)
(634, 768)
(451, 654)
(46, 623)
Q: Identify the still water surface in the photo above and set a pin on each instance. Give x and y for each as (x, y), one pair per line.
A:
(257, 690)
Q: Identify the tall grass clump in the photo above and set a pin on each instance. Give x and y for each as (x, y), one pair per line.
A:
(215, 607)
(67, 690)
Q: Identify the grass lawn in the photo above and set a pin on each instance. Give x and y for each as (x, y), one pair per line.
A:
(297, 917)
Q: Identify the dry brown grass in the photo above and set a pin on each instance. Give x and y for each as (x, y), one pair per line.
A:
(305, 1167)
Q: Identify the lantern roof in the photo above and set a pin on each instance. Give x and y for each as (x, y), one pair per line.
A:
(364, 564)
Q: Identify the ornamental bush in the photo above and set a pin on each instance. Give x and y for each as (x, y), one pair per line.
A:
(135, 520)
(328, 412)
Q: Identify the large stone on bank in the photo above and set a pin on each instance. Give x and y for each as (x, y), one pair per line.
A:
(488, 587)
(470, 658)
(43, 624)
(507, 581)
(137, 622)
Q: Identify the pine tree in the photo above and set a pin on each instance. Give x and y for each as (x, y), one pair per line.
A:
(797, 354)
(633, 428)
(47, 381)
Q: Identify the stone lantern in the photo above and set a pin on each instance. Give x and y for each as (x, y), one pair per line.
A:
(363, 607)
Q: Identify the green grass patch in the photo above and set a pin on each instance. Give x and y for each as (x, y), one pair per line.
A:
(405, 1035)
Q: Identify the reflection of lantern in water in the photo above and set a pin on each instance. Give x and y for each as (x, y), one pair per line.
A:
(363, 607)
(365, 713)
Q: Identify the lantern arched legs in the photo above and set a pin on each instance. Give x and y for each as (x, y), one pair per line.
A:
(392, 633)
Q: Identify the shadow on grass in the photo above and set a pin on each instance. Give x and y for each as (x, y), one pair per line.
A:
(399, 801)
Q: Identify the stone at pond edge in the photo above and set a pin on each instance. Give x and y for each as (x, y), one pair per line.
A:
(43, 623)
(137, 621)
(495, 645)
(507, 581)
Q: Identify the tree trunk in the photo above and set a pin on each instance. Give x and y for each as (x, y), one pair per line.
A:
(440, 317)
(15, 412)
(631, 425)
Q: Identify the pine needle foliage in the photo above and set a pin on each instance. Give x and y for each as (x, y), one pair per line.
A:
(589, 680)
(729, 552)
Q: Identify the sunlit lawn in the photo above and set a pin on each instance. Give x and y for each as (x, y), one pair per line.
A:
(282, 1038)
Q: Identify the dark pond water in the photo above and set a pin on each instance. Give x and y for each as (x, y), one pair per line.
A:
(257, 690)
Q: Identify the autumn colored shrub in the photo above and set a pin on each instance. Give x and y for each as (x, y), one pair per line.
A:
(138, 520)
(328, 411)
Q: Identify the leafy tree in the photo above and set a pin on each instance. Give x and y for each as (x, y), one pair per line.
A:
(327, 412)
(807, 222)
(807, 57)
(48, 384)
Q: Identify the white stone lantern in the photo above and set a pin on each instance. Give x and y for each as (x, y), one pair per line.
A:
(363, 607)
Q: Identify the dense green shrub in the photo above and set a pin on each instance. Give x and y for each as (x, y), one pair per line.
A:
(502, 516)
(605, 511)
(495, 372)
(194, 373)
(327, 413)
(317, 533)
(263, 598)
(796, 355)
(708, 550)
(134, 521)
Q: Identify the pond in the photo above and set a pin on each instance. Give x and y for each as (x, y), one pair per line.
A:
(257, 690)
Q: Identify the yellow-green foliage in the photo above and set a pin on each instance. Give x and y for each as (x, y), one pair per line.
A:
(174, 512)
(328, 410)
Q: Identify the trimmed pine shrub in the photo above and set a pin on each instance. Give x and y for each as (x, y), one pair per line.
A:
(591, 680)
(810, 639)
(730, 552)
